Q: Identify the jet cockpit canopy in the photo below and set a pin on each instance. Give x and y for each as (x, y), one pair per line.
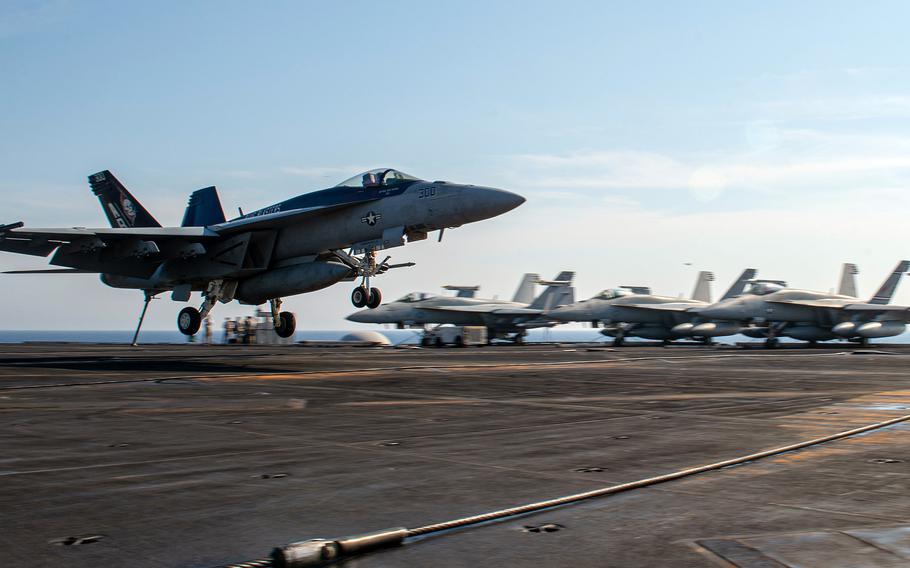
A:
(764, 287)
(380, 177)
(415, 297)
(613, 293)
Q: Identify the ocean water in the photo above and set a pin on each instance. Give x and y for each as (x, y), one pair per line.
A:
(396, 336)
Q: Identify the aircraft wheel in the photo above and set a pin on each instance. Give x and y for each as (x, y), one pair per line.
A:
(617, 342)
(374, 299)
(188, 321)
(439, 342)
(459, 341)
(771, 343)
(359, 297)
(287, 324)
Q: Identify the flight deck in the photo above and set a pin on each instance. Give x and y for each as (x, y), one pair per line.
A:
(197, 456)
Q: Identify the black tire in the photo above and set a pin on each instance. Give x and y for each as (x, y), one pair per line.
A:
(188, 321)
(439, 342)
(359, 297)
(287, 325)
(771, 343)
(426, 342)
(459, 341)
(617, 341)
(374, 299)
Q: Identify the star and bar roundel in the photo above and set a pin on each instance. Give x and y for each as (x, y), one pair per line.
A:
(371, 218)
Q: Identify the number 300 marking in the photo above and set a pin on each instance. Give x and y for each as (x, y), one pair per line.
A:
(426, 192)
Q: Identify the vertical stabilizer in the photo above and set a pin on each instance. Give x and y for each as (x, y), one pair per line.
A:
(558, 292)
(121, 208)
(847, 285)
(702, 292)
(739, 285)
(886, 292)
(204, 209)
(525, 292)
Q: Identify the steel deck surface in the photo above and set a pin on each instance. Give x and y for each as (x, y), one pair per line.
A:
(199, 456)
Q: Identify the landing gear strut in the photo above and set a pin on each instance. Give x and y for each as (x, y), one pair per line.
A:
(364, 295)
(190, 319)
(284, 322)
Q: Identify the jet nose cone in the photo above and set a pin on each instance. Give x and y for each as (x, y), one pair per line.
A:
(363, 316)
(487, 202)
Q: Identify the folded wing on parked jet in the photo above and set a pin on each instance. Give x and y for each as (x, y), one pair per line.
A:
(669, 307)
(867, 309)
(487, 309)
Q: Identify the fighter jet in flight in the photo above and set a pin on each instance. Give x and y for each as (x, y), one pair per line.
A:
(503, 319)
(631, 311)
(771, 311)
(299, 245)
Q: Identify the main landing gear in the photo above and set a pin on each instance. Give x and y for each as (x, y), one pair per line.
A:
(189, 320)
(369, 297)
(285, 323)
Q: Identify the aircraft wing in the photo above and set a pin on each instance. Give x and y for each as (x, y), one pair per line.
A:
(42, 242)
(670, 307)
(810, 303)
(492, 309)
(855, 309)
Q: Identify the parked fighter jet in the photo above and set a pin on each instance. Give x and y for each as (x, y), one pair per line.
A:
(289, 248)
(503, 319)
(771, 311)
(626, 312)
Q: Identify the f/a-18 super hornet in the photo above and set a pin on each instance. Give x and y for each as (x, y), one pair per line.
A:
(299, 245)
(771, 311)
(502, 318)
(631, 311)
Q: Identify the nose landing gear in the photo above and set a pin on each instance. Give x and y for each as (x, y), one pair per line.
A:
(190, 319)
(361, 296)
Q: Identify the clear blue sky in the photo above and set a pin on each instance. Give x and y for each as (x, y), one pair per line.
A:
(645, 135)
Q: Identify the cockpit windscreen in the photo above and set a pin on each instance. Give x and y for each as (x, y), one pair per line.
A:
(380, 177)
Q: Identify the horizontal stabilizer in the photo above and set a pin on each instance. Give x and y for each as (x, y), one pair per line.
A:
(51, 271)
(11, 226)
